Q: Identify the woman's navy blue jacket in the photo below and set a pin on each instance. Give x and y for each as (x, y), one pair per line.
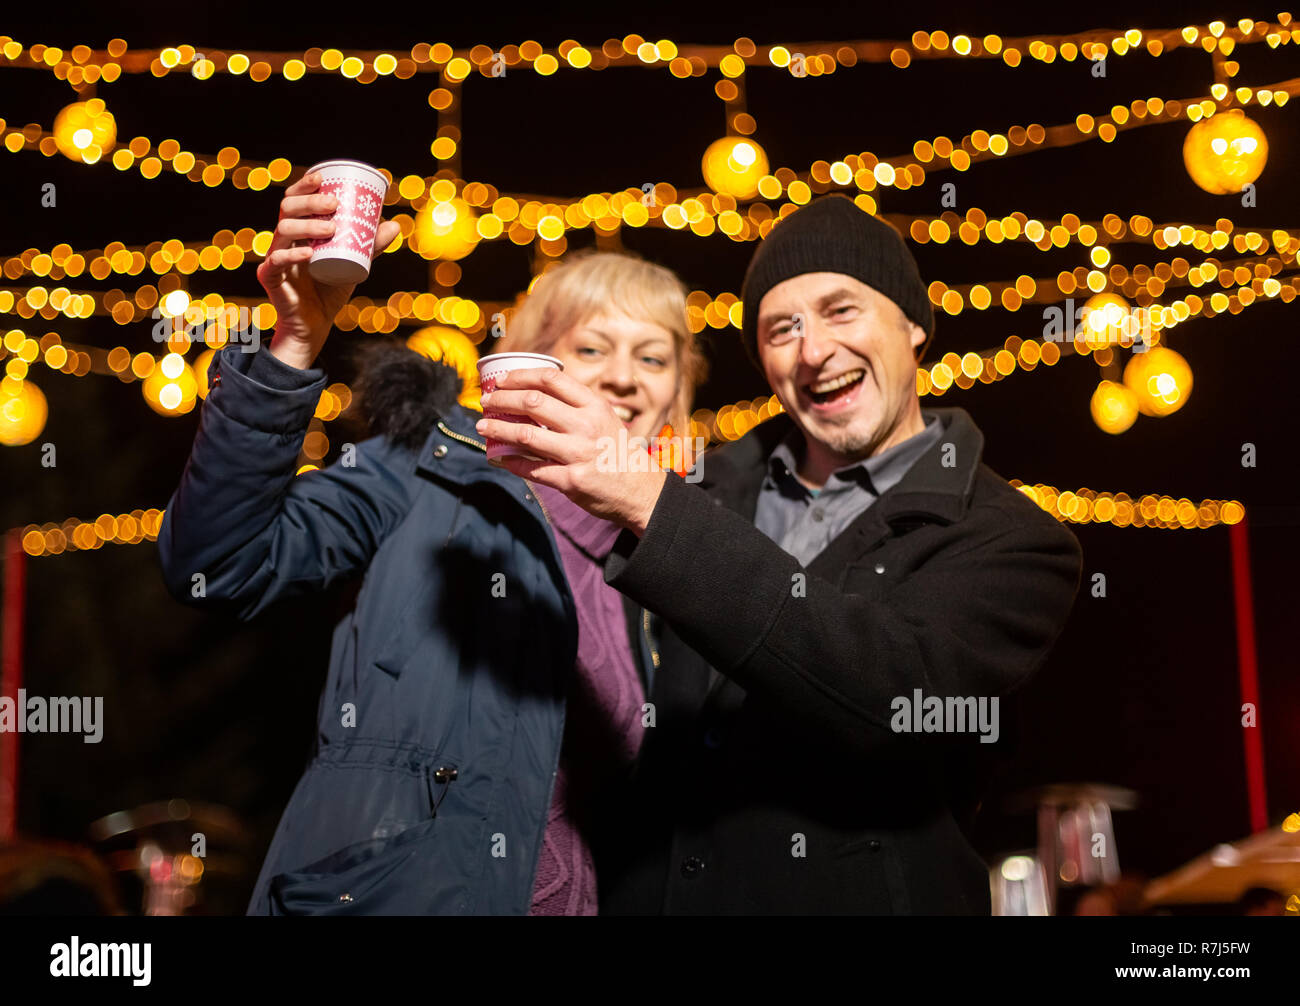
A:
(440, 723)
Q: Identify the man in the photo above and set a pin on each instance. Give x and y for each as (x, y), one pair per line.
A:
(837, 573)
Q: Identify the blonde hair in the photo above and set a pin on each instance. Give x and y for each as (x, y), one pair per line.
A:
(591, 282)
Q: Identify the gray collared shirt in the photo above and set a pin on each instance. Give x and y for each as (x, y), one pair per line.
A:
(804, 521)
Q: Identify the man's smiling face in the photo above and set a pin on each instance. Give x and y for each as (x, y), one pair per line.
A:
(841, 358)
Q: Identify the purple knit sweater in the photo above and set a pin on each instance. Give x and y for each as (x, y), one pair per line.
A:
(602, 728)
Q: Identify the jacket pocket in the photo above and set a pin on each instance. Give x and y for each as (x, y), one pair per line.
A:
(869, 577)
(397, 601)
(393, 656)
(404, 634)
(382, 876)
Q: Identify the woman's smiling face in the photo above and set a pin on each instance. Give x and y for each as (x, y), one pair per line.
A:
(631, 364)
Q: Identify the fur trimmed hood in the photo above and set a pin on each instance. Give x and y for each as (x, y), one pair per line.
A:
(401, 393)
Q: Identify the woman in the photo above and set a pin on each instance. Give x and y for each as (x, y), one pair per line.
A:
(484, 685)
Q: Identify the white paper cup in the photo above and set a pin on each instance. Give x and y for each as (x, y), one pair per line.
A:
(343, 258)
(490, 370)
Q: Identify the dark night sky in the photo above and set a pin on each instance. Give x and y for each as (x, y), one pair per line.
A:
(1142, 688)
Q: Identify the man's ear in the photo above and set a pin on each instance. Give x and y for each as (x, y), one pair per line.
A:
(920, 341)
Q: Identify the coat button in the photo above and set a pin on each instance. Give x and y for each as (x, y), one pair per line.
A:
(713, 738)
(874, 845)
(880, 567)
(817, 514)
(528, 497)
(691, 866)
(440, 451)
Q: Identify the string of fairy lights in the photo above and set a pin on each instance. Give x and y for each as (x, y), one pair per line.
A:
(83, 65)
(1081, 506)
(742, 199)
(704, 311)
(734, 167)
(988, 366)
(229, 249)
(217, 314)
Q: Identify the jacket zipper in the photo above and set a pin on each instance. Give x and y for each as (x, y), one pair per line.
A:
(645, 627)
(461, 437)
(538, 496)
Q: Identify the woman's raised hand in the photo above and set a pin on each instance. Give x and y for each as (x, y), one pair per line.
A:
(305, 309)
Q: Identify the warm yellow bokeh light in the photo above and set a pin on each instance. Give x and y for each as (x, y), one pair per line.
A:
(733, 165)
(85, 131)
(445, 229)
(171, 388)
(1114, 407)
(23, 411)
(174, 304)
(1106, 321)
(1225, 152)
(1161, 379)
(439, 342)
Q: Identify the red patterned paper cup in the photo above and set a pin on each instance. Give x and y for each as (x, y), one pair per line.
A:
(490, 370)
(344, 258)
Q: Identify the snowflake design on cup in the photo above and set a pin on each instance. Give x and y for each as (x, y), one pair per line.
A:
(356, 215)
(361, 238)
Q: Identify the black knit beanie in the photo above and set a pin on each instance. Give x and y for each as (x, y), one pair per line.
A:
(833, 234)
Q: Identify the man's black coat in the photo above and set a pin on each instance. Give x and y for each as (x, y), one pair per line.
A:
(774, 782)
